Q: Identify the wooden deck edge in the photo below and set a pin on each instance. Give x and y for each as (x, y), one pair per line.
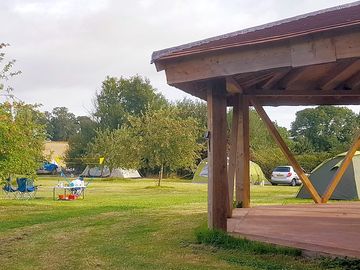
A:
(307, 249)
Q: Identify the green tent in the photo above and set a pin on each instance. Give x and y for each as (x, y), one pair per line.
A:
(349, 185)
(201, 173)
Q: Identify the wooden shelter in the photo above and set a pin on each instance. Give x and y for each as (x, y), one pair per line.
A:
(312, 59)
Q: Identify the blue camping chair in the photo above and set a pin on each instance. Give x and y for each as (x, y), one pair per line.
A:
(26, 188)
(8, 190)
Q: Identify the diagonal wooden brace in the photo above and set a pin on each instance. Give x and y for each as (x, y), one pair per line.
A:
(341, 170)
(277, 137)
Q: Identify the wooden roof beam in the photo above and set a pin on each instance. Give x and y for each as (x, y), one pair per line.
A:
(277, 76)
(299, 52)
(354, 82)
(338, 76)
(233, 87)
(302, 93)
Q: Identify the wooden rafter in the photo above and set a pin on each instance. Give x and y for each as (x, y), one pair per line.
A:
(232, 86)
(273, 131)
(340, 74)
(341, 170)
(292, 77)
(354, 82)
(253, 80)
(277, 76)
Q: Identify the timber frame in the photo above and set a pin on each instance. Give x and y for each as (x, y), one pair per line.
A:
(312, 59)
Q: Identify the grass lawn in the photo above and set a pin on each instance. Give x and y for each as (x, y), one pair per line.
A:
(128, 224)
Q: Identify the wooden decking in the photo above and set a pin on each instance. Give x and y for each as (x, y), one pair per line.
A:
(325, 229)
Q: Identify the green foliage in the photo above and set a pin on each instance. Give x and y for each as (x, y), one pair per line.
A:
(223, 240)
(324, 129)
(120, 98)
(166, 140)
(21, 133)
(340, 263)
(21, 139)
(61, 124)
(119, 147)
(77, 155)
(197, 110)
(263, 149)
(159, 139)
(310, 161)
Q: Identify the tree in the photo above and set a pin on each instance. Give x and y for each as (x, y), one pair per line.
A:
(119, 148)
(159, 139)
(21, 139)
(324, 129)
(77, 156)
(62, 124)
(167, 141)
(120, 98)
(21, 133)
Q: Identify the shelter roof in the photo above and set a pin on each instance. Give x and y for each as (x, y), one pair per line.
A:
(312, 59)
(326, 19)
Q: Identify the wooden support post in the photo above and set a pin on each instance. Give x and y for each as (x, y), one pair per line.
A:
(273, 131)
(233, 161)
(217, 158)
(243, 156)
(341, 170)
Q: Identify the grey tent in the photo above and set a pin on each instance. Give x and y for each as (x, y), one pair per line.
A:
(349, 186)
(201, 174)
(105, 172)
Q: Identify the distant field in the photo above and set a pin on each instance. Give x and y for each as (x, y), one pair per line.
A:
(127, 224)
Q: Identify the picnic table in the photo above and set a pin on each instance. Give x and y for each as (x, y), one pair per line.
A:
(69, 189)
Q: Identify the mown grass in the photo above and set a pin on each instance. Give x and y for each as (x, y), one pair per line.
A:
(128, 224)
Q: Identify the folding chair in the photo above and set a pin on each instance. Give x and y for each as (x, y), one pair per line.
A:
(26, 188)
(8, 190)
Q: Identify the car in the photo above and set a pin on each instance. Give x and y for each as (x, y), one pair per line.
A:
(285, 175)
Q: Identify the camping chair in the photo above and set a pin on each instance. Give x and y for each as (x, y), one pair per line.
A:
(8, 190)
(26, 188)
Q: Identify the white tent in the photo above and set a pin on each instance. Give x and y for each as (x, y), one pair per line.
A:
(105, 172)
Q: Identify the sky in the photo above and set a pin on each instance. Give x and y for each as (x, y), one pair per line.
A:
(66, 48)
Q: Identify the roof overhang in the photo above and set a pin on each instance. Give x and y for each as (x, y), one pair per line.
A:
(310, 67)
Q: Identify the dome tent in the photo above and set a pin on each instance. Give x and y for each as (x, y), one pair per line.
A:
(105, 172)
(201, 173)
(349, 185)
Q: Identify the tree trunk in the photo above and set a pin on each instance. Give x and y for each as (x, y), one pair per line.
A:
(161, 174)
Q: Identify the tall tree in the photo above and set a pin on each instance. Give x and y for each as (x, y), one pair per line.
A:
(120, 98)
(324, 129)
(77, 156)
(63, 124)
